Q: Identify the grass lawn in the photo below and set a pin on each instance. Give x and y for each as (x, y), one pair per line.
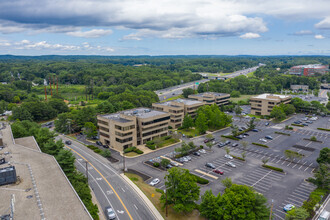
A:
(131, 154)
(256, 116)
(191, 131)
(154, 197)
(168, 142)
(242, 97)
(173, 98)
(250, 74)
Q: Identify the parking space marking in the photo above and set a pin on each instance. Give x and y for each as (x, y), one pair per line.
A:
(278, 215)
(303, 199)
(308, 166)
(302, 165)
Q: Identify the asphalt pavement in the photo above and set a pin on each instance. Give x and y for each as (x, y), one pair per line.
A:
(109, 187)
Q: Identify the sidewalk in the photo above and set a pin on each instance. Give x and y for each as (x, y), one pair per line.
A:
(151, 207)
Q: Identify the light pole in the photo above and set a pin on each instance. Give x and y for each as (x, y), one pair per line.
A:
(86, 169)
(124, 166)
(271, 210)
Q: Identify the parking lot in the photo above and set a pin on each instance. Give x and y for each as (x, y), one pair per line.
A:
(283, 188)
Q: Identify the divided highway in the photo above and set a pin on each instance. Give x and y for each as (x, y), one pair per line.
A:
(109, 187)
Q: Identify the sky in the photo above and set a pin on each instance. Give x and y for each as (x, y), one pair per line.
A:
(165, 27)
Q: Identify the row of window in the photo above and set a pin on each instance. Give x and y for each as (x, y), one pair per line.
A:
(124, 140)
(104, 135)
(156, 120)
(102, 122)
(123, 135)
(145, 129)
(125, 128)
(154, 132)
(103, 129)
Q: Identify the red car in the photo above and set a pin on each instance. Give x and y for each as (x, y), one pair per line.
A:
(218, 171)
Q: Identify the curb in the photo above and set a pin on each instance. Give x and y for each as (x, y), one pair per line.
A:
(148, 203)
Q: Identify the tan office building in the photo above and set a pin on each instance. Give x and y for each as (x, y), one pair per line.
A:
(132, 127)
(263, 104)
(211, 98)
(178, 109)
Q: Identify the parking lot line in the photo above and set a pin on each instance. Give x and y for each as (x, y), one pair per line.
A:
(301, 195)
(280, 159)
(303, 199)
(263, 177)
(278, 215)
(308, 166)
(302, 165)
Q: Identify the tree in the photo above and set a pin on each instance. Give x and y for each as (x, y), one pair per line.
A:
(209, 136)
(265, 160)
(277, 113)
(209, 206)
(165, 162)
(59, 105)
(16, 99)
(288, 108)
(106, 153)
(243, 155)
(244, 144)
(201, 123)
(21, 114)
(251, 125)
(324, 156)
(52, 148)
(187, 122)
(238, 110)
(209, 144)
(234, 130)
(188, 91)
(298, 213)
(227, 182)
(66, 160)
(227, 150)
(322, 176)
(235, 94)
(182, 190)
(290, 155)
(90, 129)
(313, 138)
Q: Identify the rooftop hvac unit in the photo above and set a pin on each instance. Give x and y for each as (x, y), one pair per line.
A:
(135, 112)
(7, 175)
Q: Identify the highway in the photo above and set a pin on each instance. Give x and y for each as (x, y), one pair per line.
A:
(109, 187)
(177, 90)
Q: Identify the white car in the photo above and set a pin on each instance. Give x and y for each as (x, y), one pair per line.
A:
(202, 151)
(154, 182)
(110, 213)
(228, 156)
(231, 164)
(263, 140)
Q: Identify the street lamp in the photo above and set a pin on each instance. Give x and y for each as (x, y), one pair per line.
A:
(165, 190)
(271, 210)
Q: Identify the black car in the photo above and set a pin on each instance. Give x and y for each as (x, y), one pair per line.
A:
(255, 130)
(246, 134)
(296, 122)
(239, 137)
(99, 143)
(221, 145)
(106, 146)
(68, 142)
(210, 165)
(196, 153)
(227, 142)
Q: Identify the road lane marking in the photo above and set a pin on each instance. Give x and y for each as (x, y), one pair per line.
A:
(129, 215)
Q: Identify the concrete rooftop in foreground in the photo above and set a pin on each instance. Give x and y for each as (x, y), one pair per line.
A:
(42, 190)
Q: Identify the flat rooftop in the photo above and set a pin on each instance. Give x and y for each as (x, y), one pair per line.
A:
(210, 93)
(42, 190)
(271, 96)
(184, 101)
(313, 66)
(137, 112)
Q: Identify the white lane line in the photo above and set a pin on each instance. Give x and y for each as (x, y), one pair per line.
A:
(135, 206)
(262, 178)
(278, 215)
(302, 165)
(308, 166)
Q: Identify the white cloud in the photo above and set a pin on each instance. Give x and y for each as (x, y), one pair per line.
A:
(324, 24)
(250, 36)
(90, 34)
(303, 32)
(319, 36)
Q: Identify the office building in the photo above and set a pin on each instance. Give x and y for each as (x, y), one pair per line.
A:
(132, 127)
(178, 109)
(263, 104)
(211, 97)
(299, 88)
(309, 70)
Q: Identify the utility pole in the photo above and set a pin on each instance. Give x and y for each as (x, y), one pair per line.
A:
(166, 203)
(124, 166)
(86, 162)
(271, 210)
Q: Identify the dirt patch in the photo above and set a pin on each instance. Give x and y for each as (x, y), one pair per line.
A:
(112, 159)
(304, 148)
(142, 175)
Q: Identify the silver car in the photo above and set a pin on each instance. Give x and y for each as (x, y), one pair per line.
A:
(231, 164)
(154, 182)
(110, 213)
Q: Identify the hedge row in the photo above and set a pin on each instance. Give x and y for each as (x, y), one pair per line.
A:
(278, 132)
(200, 180)
(294, 152)
(133, 149)
(323, 129)
(239, 158)
(230, 137)
(261, 145)
(95, 149)
(273, 168)
(314, 198)
(297, 125)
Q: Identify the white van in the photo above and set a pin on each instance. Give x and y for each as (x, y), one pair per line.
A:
(324, 215)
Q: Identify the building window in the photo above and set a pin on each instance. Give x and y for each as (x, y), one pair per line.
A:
(104, 134)
(104, 129)
(156, 120)
(123, 135)
(102, 122)
(124, 128)
(124, 140)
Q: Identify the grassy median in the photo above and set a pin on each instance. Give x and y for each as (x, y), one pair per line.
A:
(154, 197)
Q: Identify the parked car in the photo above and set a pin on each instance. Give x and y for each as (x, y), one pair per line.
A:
(185, 159)
(99, 143)
(325, 215)
(235, 144)
(263, 140)
(244, 128)
(239, 136)
(296, 122)
(208, 140)
(231, 164)
(304, 124)
(246, 134)
(210, 165)
(255, 130)
(188, 158)
(110, 213)
(202, 151)
(269, 137)
(288, 207)
(169, 166)
(68, 142)
(227, 142)
(196, 153)
(304, 119)
(221, 145)
(240, 129)
(180, 160)
(228, 156)
(106, 146)
(173, 163)
(218, 171)
(154, 182)
(267, 123)
(309, 122)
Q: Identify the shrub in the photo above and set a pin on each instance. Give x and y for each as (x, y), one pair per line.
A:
(314, 198)
(98, 151)
(129, 149)
(239, 158)
(134, 179)
(273, 168)
(150, 142)
(156, 164)
(230, 137)
(159, 190)
(138, 151)
(261, 145)
(167, 137)
(152, 147)
(201, 147)
(313, 138)
(200, 180)
(170, 127)
(278, 132)
(323, 129)
(297, 125)
(294, 152)
(189, 136)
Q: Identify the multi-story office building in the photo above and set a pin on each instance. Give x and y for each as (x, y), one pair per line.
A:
(211, 98)
(178, 109)
(309, 70)
(132, 127)
(263, 104)
(299, 88)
